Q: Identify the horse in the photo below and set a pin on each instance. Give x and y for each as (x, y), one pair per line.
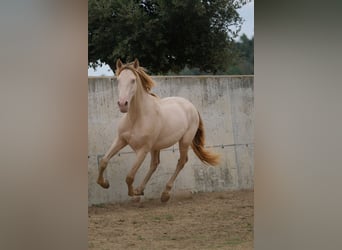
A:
(150, 124)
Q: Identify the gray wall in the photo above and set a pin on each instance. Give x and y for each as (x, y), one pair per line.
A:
(226, 106)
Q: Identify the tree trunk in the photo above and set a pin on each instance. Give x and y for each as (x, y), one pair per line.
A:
(112, 66)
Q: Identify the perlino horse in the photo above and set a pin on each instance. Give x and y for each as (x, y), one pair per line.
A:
(151, 124)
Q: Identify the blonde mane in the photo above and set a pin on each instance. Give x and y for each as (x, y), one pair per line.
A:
(146, 80)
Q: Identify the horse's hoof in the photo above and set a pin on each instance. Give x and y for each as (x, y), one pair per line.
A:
(138, 192)
(165, 197)
(104, 184)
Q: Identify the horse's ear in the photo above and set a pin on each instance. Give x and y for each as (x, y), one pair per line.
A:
(118, 64)
(136, 63)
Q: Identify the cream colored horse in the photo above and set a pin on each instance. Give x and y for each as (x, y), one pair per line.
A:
(151, 124)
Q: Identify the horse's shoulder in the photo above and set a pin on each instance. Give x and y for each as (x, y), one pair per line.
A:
(123, 123)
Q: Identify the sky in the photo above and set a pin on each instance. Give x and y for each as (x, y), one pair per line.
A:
(246, 12)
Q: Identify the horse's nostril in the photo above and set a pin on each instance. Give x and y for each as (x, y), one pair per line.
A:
(122, 104)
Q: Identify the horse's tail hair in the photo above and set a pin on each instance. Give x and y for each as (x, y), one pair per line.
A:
(206, 156)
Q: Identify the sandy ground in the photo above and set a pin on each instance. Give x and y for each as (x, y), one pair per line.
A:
(221, 220)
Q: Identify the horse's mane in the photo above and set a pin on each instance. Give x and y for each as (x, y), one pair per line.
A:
(146, 80)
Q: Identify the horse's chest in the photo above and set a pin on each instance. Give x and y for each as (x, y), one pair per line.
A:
(138, 138)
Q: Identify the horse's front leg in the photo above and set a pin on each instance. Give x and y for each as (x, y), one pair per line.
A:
(116, 146)
(141, 154)
(155, 160)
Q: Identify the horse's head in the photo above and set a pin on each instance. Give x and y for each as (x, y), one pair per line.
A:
(127, 84)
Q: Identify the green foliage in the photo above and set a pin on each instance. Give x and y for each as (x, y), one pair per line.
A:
(243, 63)
(165, 35)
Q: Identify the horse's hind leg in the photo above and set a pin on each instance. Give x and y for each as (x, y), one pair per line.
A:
(183, 158)
(155, 160)
(116, 146)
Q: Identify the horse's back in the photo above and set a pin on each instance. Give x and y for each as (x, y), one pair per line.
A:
(178, 106)
(173, 102)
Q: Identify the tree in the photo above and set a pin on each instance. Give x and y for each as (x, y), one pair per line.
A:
(243, 63)
(163, 34)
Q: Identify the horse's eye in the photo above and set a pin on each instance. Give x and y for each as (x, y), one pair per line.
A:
(132, 81)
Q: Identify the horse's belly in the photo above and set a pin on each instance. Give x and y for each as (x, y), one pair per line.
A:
(167, 139)
(178, 116)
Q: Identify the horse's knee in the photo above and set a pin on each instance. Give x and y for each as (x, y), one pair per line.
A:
(103, 183)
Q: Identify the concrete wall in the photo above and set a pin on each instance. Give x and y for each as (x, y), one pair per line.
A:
(226, 107)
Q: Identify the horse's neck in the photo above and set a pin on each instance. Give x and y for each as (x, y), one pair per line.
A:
(141, 106)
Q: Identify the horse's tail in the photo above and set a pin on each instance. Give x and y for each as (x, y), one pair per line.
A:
(206, 156)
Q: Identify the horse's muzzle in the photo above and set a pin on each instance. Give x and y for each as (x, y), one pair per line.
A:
(123, 106)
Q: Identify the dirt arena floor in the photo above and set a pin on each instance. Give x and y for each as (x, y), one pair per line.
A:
(220, 220)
